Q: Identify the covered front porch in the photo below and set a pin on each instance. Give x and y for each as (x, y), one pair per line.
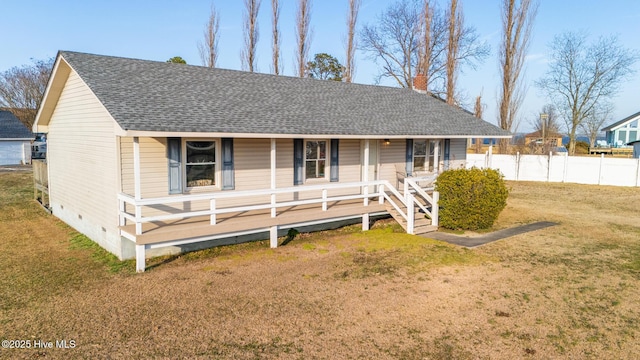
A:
(152, 222)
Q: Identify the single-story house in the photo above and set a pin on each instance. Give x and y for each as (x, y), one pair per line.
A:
(15, 140)
(552, 139)
(145, 155)
(624, 131)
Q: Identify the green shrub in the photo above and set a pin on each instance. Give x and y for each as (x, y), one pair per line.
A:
(471, 199)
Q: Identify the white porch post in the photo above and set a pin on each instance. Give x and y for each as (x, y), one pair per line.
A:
(434, 208)
(140, 258)
(436, 157)
(365, 222)
(136, 167)
(273, 178)
(136, 182)
(410, 214)
(273, 236)
(365, 172)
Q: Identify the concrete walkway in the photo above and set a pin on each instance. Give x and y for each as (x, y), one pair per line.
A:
(470, 242)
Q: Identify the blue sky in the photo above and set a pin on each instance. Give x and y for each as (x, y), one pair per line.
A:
(160, 29)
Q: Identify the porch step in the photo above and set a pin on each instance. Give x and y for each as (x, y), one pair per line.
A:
(422, 225)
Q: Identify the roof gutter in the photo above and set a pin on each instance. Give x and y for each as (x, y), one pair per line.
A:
(132, 133)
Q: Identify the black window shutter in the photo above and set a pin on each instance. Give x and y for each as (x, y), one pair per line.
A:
(174, 145)
(409, 157)
(334, 159)
(228, 175)
(298, 158)
(447, 153)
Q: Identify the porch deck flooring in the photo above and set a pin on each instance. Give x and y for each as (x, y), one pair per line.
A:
(198, 227)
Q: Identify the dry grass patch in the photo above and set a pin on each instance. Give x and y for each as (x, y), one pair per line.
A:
(568, 291)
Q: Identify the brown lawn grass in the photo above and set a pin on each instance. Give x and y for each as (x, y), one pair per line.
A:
(568, 291)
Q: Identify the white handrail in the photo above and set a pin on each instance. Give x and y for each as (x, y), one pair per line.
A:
(138, 219)
(411, 185)
(244, 193)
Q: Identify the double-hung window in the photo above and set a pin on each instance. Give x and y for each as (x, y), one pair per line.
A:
(200, 164)
(315, 161)
(423, 155)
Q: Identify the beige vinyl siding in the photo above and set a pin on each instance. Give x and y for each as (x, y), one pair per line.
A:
(83, 164)
(154, 168)
(349, 154)
(284, 163)
(390, 155)
(252, 161)
(457, 154)
(252, 166)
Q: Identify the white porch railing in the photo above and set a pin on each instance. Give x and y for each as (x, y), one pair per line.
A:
(413, 192)
(385, 191)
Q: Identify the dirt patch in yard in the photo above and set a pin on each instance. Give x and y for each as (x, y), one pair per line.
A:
(569, 291)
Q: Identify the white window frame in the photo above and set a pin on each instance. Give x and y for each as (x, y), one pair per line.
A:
(217, 165)
(327, 160)
(429, 156)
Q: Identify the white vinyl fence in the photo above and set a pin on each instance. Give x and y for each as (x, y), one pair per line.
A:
(561, 168)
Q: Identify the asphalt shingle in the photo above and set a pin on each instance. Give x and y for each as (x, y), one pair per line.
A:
(12, 128)
(157, 96)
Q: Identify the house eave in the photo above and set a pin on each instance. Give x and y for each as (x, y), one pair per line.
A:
(138, 133)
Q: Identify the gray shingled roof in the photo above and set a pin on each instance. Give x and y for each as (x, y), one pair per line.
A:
(12, 128)
(157, 96)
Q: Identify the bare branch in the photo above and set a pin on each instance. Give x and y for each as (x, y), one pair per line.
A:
(22, 89)
(275, 34)
(582, 78)
(251, 34)
(517, 24)
(453, 47)
(208, 49)
(477, 111)
(397, 42)
(303, 19)
(352, 19)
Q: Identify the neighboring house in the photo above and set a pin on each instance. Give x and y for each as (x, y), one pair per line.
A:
(636, 148)
(145, 155)
(552, 139)
(15, 140)
(624, 131)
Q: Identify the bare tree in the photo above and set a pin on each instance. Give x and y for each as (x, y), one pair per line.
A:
(275, 34)
(251, 34)
(477, 111)
(453, 46)
(208, 49)
(397, 42)
(517, 23)
(22, 89)
(303, 20)
(582, 76)
(548, 121)
(593, 123)
(425, 51)
(352, 19)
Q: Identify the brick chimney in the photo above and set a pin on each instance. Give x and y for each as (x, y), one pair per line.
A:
(420, 83)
